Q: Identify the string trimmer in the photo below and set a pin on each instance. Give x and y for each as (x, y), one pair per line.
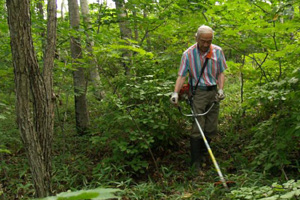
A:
(195, 115)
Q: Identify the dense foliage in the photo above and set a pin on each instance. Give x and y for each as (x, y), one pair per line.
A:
(138, 142)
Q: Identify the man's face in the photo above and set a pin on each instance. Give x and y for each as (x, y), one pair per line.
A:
(204, 41)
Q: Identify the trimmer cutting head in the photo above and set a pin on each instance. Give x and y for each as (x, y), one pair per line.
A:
(228, 183)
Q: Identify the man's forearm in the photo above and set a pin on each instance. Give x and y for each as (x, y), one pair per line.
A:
(221, 81)
(179, 83)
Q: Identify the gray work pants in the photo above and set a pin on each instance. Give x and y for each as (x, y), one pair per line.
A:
(202, 102)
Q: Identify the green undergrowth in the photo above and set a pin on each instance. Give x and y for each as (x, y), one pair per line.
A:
(287, 190)
(251, 149)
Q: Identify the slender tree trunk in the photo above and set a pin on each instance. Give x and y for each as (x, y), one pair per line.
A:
(125, 32)
(277, 49)
(147, 33)
(81, 111)
(242, 84)
(48, 76)
(242, 79)
(136, 30)
(41, 18)
(39, 6)
(123, 20)
(94, 73)
(62, 5)
(34, 102)
(99, 16)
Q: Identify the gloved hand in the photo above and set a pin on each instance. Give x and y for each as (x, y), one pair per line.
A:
(220, 95)
(174, 98)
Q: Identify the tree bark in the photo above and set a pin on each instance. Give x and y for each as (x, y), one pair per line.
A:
(136, 30)
(39, 7)
(93, 70)
(34, 103)
(147, 33)
(62, 5)
(48, 76)
(125, 32)
(81, 111)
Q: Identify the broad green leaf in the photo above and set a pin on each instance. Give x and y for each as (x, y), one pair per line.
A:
(95, 194)
(288, 195)
(4, 151)
(275, 197)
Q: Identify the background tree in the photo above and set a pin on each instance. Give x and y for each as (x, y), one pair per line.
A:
(93, 68)
(34, 105)
(79, 77)
(125, 32)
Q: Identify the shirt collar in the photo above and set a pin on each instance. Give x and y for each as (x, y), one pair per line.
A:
(207, 54)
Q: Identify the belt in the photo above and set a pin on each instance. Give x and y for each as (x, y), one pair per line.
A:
(207, 88)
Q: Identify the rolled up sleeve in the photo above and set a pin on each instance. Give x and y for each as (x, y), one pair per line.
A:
(222, 66)
(184, 65)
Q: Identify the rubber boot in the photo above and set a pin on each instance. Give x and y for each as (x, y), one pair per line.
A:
(204, 152)
(203, 147)
(196, 152)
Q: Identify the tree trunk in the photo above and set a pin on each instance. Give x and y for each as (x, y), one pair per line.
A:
(40, 9)
(34, 103)
(94, 73)
(81, 112)
(136, 30)
(62, 5)
(147, 33)
(48, 73)
(125, 32)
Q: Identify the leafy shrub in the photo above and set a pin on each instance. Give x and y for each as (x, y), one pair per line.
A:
(288, 190)
(274, 142)
(135, 118)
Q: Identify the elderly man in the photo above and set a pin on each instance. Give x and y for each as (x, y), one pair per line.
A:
(206, 64)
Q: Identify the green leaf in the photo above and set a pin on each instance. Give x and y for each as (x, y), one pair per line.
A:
(78, 196)
(95, 194)
(271, 198)
(4, 151)
(288, 195)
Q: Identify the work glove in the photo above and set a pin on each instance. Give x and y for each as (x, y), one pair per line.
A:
(220, 95)
(174, 98)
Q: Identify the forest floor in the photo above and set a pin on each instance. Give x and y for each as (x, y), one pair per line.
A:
(78, 164)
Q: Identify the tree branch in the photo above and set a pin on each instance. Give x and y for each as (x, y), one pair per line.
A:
(148, 31)
(260, 66)
(261, 8)
(252, 57)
